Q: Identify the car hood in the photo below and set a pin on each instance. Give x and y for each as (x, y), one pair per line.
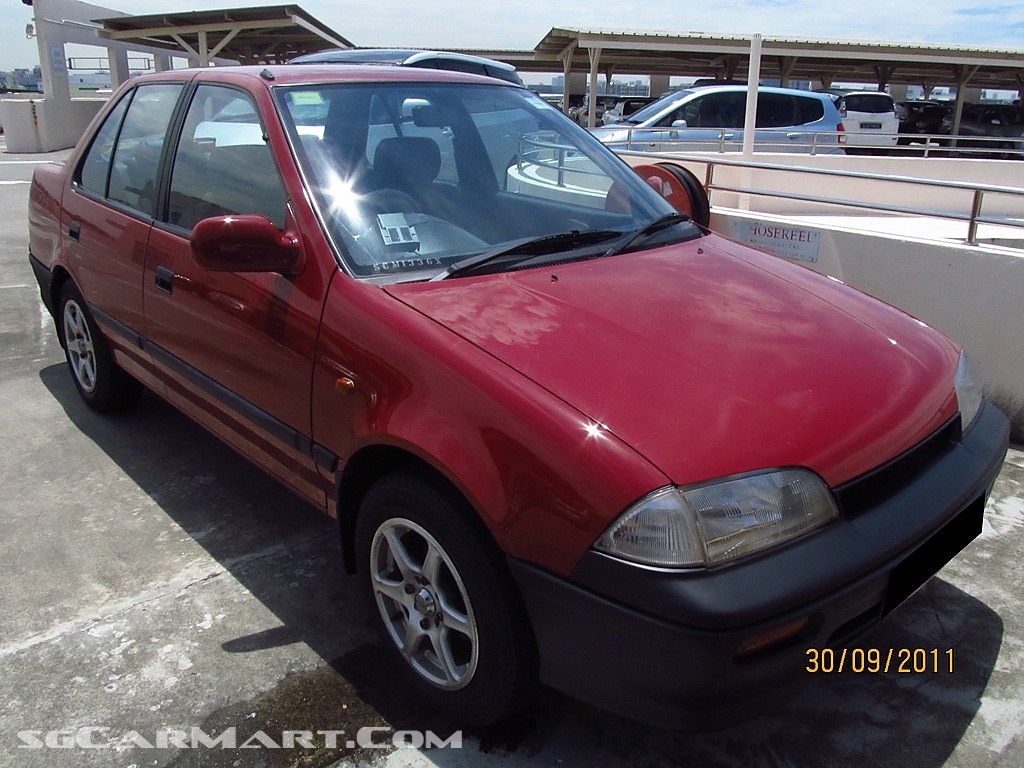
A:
(712, 359)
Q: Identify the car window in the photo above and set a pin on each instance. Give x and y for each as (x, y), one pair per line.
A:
(412, 177)
(775, 110)
(807, 109)
(223, 164)
(133, 173)
(868, 102)
(720, 110)
(94, 172)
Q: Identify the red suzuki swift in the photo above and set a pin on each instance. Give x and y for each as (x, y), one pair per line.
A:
(569, 436)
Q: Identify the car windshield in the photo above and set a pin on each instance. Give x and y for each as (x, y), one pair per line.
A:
(410, 178)
(655, 108)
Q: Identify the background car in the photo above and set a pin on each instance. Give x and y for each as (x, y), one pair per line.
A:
(454, 62)
(711, 118)
(923, 117)
(624, 107)
(581, 113)
(990, 130)
(869, 119)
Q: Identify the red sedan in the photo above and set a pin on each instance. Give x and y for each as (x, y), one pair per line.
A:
(569, 435)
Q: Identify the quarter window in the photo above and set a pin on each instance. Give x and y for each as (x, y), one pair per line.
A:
(95, 168)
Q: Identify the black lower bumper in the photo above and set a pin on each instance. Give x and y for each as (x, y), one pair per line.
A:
(704, 649)
(44, 278)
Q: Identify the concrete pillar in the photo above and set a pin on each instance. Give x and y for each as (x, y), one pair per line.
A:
(119, 71)
(52, 59)
(161, 62)
(595, 63)
(898, 92)
(659, 84)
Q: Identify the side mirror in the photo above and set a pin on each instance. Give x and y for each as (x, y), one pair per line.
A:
(679, 124)
(245, 243)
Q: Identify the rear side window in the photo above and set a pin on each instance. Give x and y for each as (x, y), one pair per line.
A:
(122, 162)
(223, 164)
(807, 109)
(133, 174)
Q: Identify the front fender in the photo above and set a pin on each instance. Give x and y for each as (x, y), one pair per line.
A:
(545, 479)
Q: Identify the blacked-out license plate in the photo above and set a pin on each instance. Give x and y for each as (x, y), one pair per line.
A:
(938, 550)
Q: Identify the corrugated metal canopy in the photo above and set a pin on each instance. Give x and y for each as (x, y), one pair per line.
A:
(700, 55)
(262, 35)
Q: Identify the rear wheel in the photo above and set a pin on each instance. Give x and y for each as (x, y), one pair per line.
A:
(101, 383)
(445, 601)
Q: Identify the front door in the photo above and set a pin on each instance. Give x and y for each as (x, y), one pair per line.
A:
(239, 347)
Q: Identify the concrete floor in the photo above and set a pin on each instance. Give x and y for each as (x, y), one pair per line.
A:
(155, 581)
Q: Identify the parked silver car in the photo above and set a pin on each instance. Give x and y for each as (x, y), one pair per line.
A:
(711, 118)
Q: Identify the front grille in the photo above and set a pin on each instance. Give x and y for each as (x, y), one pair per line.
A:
(865, 492)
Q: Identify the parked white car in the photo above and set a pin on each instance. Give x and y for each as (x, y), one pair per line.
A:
(870, 118)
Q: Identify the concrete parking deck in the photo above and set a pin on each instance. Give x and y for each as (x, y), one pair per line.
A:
(155, 582)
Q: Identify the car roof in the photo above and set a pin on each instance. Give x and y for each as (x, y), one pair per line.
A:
(407, 57)
(286, 74)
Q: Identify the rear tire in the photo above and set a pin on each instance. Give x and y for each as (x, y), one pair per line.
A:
(445, 601)
(99, 380)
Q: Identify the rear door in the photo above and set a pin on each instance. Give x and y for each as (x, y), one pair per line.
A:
(238, 346)
(109, 213)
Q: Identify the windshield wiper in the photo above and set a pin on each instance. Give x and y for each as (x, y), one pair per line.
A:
(527, 248)
(631, 238)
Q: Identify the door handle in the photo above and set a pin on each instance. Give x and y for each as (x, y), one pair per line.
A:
(75, 230)
(164, 279)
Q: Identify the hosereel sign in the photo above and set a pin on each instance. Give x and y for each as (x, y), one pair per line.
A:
(789, 242)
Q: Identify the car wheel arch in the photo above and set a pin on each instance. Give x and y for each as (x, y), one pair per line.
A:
(368, 465)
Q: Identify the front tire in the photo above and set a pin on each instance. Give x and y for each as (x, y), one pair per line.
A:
(444, 600)
(100, 382)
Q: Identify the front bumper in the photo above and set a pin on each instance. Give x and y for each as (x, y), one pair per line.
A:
(703, 649)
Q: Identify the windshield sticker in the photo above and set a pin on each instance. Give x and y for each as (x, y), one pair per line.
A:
(397, 232)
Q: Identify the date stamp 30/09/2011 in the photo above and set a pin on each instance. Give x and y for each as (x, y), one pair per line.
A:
(880, 660)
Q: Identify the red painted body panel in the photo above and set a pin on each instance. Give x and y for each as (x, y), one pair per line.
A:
(253, 333)
(543, 480)
(712, 359)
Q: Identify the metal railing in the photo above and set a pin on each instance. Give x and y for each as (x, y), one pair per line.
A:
(974, 217)
(819, 142)
(537, 151)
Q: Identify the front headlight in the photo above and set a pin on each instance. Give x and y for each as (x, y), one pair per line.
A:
(717, 523)
(968, 392)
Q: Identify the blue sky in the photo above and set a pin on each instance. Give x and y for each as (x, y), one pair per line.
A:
(520, 24)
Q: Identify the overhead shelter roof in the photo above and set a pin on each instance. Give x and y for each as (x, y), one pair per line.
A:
(700, 55)
(262, 35)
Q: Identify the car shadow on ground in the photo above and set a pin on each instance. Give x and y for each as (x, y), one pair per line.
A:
(269, 540)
